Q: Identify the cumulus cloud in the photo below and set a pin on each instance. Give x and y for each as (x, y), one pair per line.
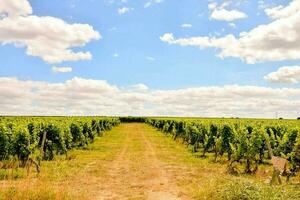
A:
(281, 11)
(277, 41)
(287, 74)
(48, 38)
(219, 12)
(15, 7)
(79, 96)
(124, 10)
(227, 15)
(61, 69)
(151, 2)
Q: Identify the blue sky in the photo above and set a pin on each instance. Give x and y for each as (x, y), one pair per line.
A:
(134, 36)
(131, 49)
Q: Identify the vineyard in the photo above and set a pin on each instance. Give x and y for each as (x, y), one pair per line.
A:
(248, 142)
(29, 140)
(242, 150)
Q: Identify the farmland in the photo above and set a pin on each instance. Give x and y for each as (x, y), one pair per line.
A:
(146, 158)
(150, 100)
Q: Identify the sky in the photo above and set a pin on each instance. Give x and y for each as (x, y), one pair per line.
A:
(200, 58)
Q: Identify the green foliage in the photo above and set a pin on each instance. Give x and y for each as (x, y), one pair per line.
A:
(227, 137)
(77, 135)
(4, 143)
(22, 137)
(21, 146)
(294, 155)
(243, 141)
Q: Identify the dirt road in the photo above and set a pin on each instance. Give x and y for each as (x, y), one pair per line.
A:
(136, 172)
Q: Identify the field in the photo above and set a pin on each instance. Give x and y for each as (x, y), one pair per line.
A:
(151, 160)
(150, 100)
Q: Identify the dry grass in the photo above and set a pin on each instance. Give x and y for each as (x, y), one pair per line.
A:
(37, 192)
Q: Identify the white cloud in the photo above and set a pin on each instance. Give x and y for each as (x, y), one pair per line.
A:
(48, 38)
(219, 12)
(287, 74)
(151, 2)
(111, 2)
(201, 42)
(227, 15)
(15, 7)
(277, 41)
(232, 25)
(212, 5)
(186, 26)
(262, 4)
(61, 69)
(79, 96)
(167, 37)
(150, 58)
(116, 55)
(139, 87)
(124, 10)
(280, 11)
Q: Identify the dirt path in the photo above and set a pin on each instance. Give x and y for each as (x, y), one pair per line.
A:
(136, 172)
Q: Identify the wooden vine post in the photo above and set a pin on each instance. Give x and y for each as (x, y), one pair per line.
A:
(279, 165)
(37, 163)
(42, 149)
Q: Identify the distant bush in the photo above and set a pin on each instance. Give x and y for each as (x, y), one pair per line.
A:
(132, 119)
